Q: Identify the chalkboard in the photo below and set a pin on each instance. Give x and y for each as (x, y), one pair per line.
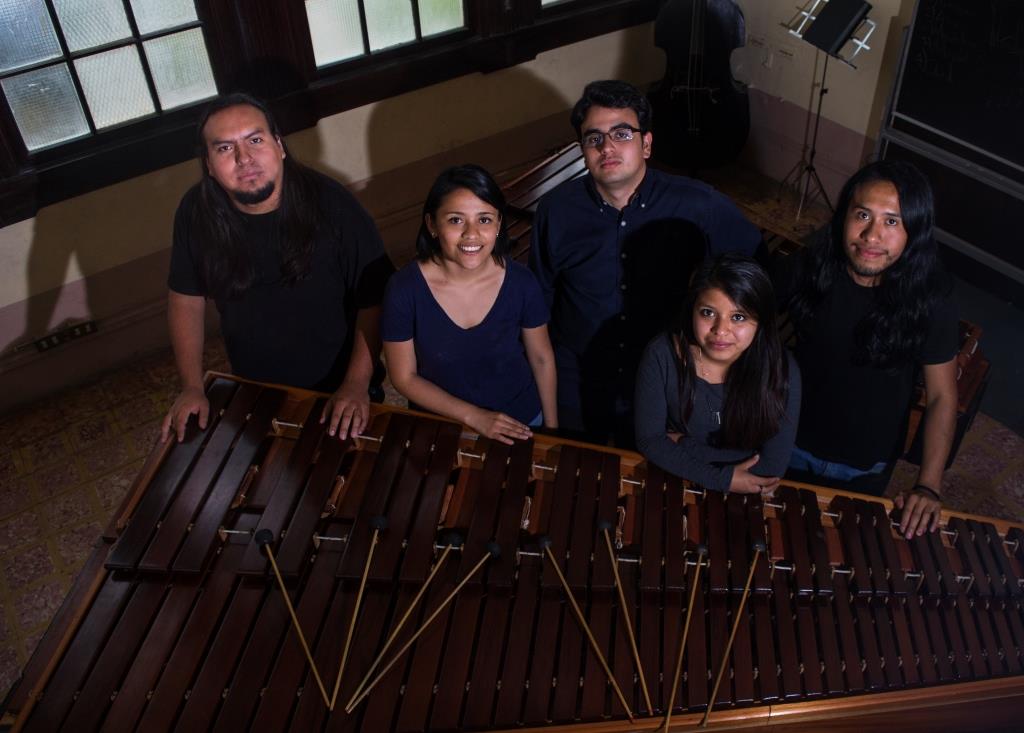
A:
(970, 211)
(963, 80)
(957, 113)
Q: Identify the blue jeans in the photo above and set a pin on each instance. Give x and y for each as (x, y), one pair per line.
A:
(801, 460)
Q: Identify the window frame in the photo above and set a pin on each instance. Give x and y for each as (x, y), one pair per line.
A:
(241, 35)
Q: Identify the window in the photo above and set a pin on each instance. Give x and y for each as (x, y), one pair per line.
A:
(345, 29)
(97, 91)
(72, 68)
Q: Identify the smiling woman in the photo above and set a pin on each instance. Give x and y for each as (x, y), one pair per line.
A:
(717, 398)
(464, 327)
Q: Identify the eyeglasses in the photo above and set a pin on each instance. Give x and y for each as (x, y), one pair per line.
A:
(622, 134)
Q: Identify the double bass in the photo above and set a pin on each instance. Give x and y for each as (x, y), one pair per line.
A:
(701, 112)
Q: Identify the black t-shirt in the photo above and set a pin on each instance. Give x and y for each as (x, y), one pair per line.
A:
(852, 413)
(297, 334)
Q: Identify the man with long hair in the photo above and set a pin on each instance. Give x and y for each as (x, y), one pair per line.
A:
(293, 263)
(613, 252)
(872, 308)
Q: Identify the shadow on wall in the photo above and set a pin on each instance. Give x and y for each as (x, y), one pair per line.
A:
(633, 46)
(105, 233)
(410, 139)
(444, 122)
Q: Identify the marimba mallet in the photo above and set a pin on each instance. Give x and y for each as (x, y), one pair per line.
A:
(264, 538)
(604, 527)
(701, 552)
(378, 524)
(759, 547)
(493, 550)
(452, 540)
(545, 543)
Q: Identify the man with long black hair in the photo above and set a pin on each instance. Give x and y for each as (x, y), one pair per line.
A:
(613, 252)
(294, 264)
(872, 308)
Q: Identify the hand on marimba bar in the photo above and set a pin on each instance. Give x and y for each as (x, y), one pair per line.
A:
(498, 426)
(920, 510)
(347, 411)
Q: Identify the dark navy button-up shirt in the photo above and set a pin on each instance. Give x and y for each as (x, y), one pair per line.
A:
(613, 279)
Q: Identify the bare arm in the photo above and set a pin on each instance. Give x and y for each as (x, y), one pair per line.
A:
(401, 360)
(542, 362)
(920, 511)
(186, 321)
(349, 407)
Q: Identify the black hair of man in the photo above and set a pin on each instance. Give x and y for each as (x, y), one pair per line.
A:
(218, 225)
(613, 94)
(478, 182)
(757, 383)
(893, 331)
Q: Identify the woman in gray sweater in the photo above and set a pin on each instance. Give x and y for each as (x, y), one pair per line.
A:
(718, 398)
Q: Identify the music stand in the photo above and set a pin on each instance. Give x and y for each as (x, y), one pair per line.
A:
(841, 29)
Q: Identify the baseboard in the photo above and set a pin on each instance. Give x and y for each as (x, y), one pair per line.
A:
(30, 375)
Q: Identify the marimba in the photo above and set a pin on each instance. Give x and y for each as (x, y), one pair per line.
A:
(441, 574)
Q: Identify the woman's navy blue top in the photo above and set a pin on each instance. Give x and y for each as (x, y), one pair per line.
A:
(484, 365)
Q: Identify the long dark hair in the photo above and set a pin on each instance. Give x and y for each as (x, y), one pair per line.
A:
(893, 331)
(757, 383)
(478, 182)
(218, 226)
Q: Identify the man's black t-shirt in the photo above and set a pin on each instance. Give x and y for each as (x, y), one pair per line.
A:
(297, 334)
(856, 413)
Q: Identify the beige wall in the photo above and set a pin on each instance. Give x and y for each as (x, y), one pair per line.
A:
(784, 73)
(789, 69)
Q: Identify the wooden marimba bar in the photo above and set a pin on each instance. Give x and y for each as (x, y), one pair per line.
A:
(440, 573)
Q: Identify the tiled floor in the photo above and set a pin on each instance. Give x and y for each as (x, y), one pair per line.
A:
(65, 465)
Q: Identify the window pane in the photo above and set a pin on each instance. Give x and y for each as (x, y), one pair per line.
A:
(46, 106)
(438, 16)
(92, 24)
(155, 15)
(115, 86)
(335, 30)
(26, 34)
(181, 68)
(389, 23)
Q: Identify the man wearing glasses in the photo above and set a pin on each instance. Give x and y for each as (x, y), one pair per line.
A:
(613, 251)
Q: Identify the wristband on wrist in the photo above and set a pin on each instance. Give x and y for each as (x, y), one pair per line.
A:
(928, 490)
